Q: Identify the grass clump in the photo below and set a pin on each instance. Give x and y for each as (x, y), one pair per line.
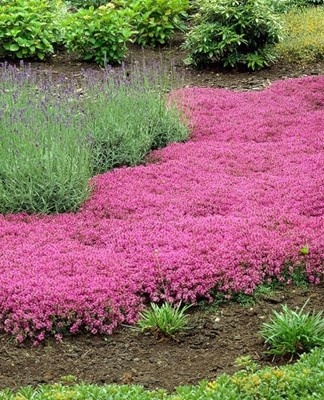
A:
(164, 319)
(55, 136)
(303, 380)
(304, 36)
(292, 332)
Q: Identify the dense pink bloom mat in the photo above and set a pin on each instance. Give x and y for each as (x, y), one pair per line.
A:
(232, 207)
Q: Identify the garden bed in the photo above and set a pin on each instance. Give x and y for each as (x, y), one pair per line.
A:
(218, 336)
(204, 352)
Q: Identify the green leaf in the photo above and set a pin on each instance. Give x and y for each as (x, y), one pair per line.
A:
(14, 47)
(304, 250)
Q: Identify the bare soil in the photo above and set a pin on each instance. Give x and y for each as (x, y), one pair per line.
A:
(217, 335)
(71, 67)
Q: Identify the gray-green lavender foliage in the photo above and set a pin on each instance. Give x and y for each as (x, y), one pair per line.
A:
(56, 134)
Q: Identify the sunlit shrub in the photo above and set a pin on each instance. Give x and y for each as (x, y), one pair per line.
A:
(156, 20)
(86, 3)
(233, 33)
(98, 34)
(28, 29)
(304, 36)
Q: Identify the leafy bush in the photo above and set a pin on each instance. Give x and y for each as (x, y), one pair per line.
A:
(165, 319)
(156, 20)
(233, 33)
(98, 34)
(284, 6)
(293, 332)
(304, 36)
(28, 29)
(312, 2)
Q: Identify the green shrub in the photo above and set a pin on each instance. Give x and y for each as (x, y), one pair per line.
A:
(98, 34)
(28, 29)
(284, 6)
(164, 319)
(233, 33)
(304, 36)
(293, 332)
(156, 20)
(312, 2)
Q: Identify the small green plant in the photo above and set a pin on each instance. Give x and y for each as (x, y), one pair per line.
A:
(292, 332)
(247, 363)
(68, 380)
(156, 20)
(164, 319)
(233, 33)
(295, 275)
(28, 29)
(264, 289)
(98, 34)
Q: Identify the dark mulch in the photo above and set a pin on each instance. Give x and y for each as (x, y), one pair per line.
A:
(61, 64)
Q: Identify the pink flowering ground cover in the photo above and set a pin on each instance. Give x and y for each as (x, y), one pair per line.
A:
(231, 208)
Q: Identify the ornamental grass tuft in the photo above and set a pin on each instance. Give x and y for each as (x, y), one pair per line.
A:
(165, 319)
(291, 332)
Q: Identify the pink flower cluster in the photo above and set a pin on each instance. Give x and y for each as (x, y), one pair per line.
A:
(227, 210)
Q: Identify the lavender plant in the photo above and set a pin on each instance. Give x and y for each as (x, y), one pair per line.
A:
(54, 139)
(45, 164)
(128, 116)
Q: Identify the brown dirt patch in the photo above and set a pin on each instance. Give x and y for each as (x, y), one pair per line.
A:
(70, 66)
